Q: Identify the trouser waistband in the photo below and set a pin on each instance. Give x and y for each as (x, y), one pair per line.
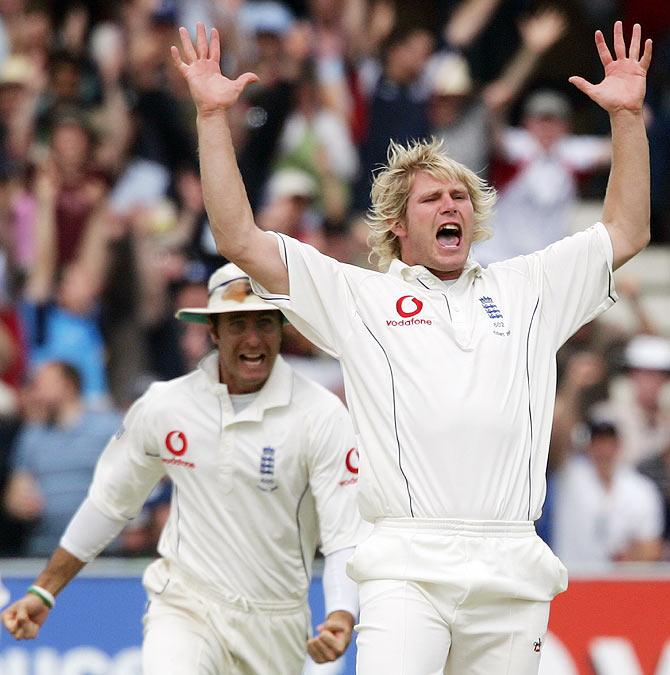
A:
(495, 528)
(235, 601)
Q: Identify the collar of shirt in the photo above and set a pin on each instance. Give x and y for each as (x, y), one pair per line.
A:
(275, 393)
(418, 274)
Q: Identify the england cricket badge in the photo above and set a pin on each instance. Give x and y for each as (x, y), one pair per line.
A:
(267, 481)
(496, 316)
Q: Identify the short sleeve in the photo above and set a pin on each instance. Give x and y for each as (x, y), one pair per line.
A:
(128, 468)
(320, 301)
(575, 279)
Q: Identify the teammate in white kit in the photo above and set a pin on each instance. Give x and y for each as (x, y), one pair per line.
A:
(449, 371)
(263, 466)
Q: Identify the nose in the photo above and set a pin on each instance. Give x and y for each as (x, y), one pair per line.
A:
(252, 336)
(448, 205)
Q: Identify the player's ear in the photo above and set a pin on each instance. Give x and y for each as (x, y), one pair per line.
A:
(213, 323)
(398, 228)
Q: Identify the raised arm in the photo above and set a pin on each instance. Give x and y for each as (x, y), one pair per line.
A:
(468, 20)
(539, 33)
(40, 283)
(236, 234)
(621, 94)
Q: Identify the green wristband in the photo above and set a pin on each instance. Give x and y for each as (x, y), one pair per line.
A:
(44, 595)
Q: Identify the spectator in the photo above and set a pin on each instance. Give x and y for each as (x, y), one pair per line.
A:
(19, 82)
(640, 404)
(317, 141)
(290, 207)
(59, 311)
(161, 135)
(110, 115)
(63, 92)
(78, 188)
(276, 49)
(543, 159)
(465, 117)
(55, 454)
(584, 372)
(397, 107)
(605, 511)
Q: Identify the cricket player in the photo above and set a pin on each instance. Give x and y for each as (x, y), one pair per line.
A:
(449, 370)
(263, 465)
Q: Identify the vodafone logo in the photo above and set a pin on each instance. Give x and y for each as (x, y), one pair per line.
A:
(351, 461)
(410, 308)
(176, 443)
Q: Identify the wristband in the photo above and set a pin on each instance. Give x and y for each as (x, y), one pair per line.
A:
(44, 595)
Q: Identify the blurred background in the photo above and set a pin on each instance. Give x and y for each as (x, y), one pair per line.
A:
(103, 231)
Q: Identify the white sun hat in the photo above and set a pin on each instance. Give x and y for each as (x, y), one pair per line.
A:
(229, 291)
(289, 182)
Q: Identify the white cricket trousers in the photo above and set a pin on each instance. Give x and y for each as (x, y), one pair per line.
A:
(453, 597)
(188, 630)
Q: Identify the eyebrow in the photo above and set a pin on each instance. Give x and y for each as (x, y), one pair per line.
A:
(430, 193)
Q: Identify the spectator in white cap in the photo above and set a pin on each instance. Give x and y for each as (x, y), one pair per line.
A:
(640, 400)
(290, 206)
(264, 466)
(18, 94)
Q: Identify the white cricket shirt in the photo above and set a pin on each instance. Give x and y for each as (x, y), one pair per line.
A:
(253, 492)
(451, 389)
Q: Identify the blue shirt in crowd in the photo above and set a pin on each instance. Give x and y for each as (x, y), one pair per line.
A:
(62, 461)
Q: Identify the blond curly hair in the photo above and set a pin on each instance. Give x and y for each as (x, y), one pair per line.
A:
(392, 185)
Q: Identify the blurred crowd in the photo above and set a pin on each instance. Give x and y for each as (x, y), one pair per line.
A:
(104, 233)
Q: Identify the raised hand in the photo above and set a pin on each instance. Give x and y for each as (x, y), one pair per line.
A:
(542, 30)
(211, 91)
(625, 81)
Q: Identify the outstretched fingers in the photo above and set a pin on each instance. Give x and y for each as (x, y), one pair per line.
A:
(187, 46)
(646, 55)
(201, 51)
(634, 49)
(603, 49)
(215, 46)
(619, 42)
(178, 61)
(583, 85)
(246, 79)
(201, 46)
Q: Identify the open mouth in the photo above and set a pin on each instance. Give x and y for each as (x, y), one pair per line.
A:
(449, 235)
(252, 360)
